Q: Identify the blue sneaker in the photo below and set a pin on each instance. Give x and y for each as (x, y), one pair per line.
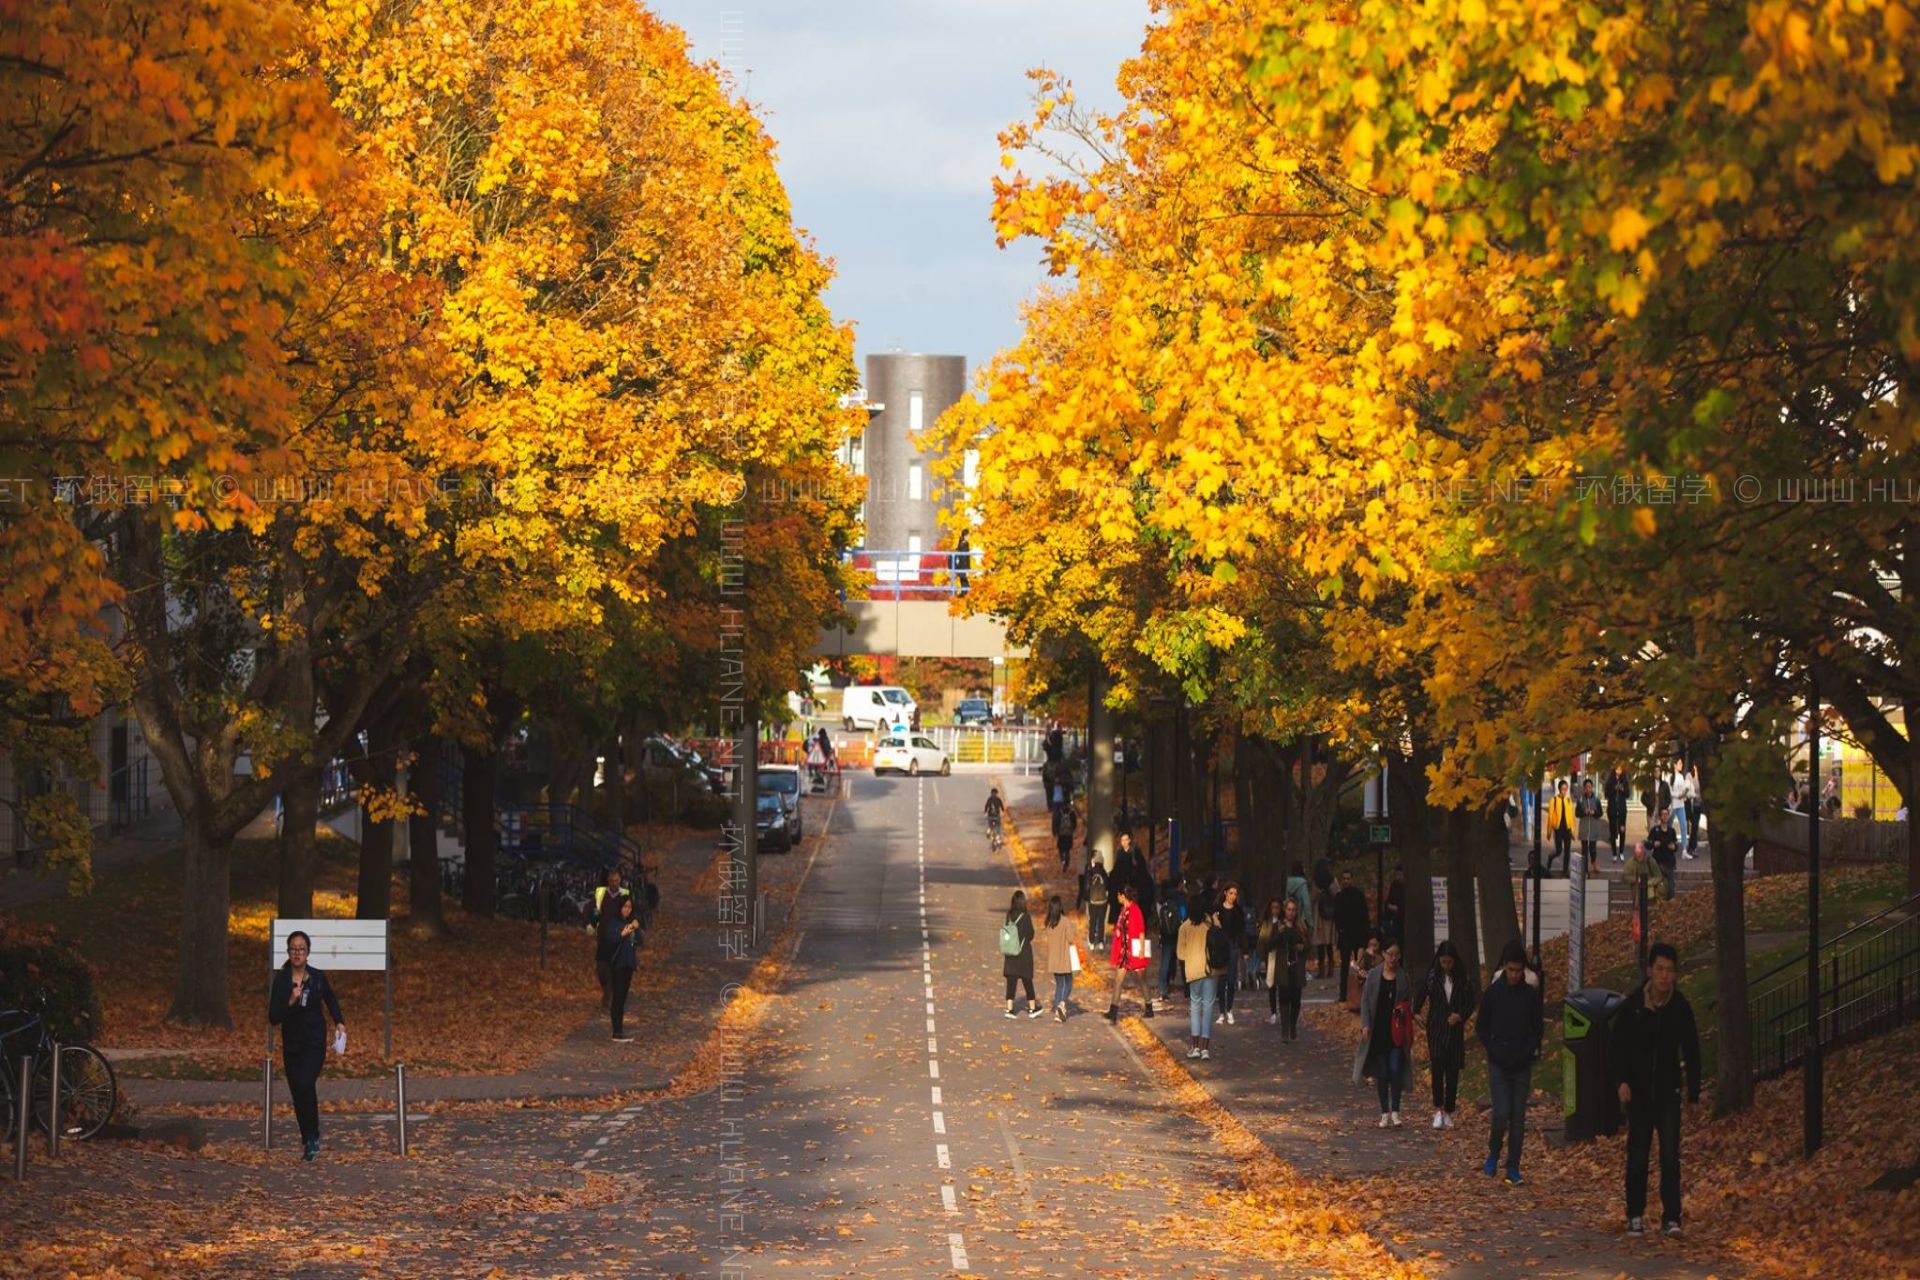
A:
(1514, 1179)
(1491, 1167)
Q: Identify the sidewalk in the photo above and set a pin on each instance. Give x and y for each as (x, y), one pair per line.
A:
(670, 1010)
(1415, 1186)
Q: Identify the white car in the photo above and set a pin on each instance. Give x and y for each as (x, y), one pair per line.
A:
(912, 754)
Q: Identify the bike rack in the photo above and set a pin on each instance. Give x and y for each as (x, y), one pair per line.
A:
(24, 1105)
(53, 1107)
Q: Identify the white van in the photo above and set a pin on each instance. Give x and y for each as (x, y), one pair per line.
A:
(876, 706)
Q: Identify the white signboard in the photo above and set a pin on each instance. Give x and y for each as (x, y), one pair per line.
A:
(337, 944)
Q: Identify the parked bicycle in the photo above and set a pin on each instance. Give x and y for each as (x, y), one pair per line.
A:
(89, 1094)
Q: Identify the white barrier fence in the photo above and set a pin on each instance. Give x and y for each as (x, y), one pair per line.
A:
(1556, 911)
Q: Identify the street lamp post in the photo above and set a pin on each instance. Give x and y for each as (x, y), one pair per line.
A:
(1814, 1072)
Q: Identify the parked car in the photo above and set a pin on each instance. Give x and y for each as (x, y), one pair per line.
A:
(973, 711)
(769, 824)
(880, 707)
(783, 780)
(660, 754)
(912, 754)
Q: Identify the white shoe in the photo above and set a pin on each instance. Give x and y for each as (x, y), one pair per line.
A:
(1194, 1052)
(1449, 1116)
(1273, 1019)
(1690, 857)
(1439, 1119)
(1219, 1018)
(1229, 1019)
(1385, 1119)
(1396, 1119)
(1206, 1055)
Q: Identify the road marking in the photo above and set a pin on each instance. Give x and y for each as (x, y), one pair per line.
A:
(930, 1029)
(933, 1046)
(936, 1095)
(947, 1197)
(929, 1006)
(933, 1070)
(957, 1246)
(1019, 1165)
(940, 1154)
(939, 1122)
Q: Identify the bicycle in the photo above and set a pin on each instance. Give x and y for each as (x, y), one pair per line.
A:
(995, 840)
(89, 1095)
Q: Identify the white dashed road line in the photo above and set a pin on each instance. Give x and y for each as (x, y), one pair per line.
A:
(949, 1197)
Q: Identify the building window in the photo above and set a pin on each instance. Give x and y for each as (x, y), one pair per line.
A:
(913, 542)
(970, 468)
(916, 412)
(913, 483)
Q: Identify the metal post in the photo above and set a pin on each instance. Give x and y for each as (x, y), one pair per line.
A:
(53, 1107)
(1642, 886)
(1814, 1071)
(266, 1108)
(24, 1106)
(543, 922)
(400, 1101)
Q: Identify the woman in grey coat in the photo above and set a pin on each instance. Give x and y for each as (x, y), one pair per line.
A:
(1391, 1065)
(1592, 819)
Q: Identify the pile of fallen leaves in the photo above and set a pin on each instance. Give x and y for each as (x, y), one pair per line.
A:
(1752, 1195)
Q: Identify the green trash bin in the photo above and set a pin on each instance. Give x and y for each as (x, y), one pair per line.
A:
(1591, 1106)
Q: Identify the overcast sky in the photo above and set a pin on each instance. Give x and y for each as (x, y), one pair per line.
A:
(885, 114)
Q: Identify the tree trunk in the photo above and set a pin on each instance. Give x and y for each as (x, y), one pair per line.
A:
(1732, 838)
(1493, 871)
(1417, 829)
(1100, 774)
(1256, 833)
(425, 916)
(299, 849)
(479, 767)
(379, 770)
(200, 989)
(1462, 920)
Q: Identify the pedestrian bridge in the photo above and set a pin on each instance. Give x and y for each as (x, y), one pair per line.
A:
(907, 610)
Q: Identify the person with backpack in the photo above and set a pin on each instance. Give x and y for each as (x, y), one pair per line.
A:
(1653, 1034)
(1061, 958)
(1096, 899)
(1016, 948)
(1233, 924)
(1203, 960)
(606, 910)
(1168, 915)
(1386, 1034)
(1065, 822)
(1300, 891)
(1131, 952)
(1510, 1026)
(1449, 999)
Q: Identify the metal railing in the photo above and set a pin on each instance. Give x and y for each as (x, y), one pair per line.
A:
(127, 796)
(1869, 981)
(913, 575)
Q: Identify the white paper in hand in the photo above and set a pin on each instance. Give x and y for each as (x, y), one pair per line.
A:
(340, 1041)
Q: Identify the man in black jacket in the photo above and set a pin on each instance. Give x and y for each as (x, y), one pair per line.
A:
(1619, 789)
(1653, 1031)
(1351, 920)
(1510, 1026)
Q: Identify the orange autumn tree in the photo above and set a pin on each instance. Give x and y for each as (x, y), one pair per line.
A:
(138, 360)
(1707, 215)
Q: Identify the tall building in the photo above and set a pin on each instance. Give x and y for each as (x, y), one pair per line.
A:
(906, 393)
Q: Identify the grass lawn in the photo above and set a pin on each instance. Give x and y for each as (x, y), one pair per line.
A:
(1775, 905)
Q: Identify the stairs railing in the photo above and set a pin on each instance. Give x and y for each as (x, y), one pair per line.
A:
(1869, 982)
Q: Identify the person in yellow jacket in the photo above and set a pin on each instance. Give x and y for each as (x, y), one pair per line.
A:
(606, 906)
(1560, 824)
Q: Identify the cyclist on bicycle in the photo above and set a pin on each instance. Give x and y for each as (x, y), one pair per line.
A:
(996, 807)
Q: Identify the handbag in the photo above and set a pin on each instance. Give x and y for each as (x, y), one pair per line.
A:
(1073, 958)
(1140, 948)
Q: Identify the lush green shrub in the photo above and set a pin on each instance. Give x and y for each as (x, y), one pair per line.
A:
(36, 962)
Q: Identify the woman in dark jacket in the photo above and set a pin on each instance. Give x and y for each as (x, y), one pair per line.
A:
(1283, 953)
(1018, 967)
(1233, 922)
(624, 943)
(294, 1005)
(1450, 992)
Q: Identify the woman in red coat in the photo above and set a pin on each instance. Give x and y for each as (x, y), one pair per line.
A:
(1132, 952)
